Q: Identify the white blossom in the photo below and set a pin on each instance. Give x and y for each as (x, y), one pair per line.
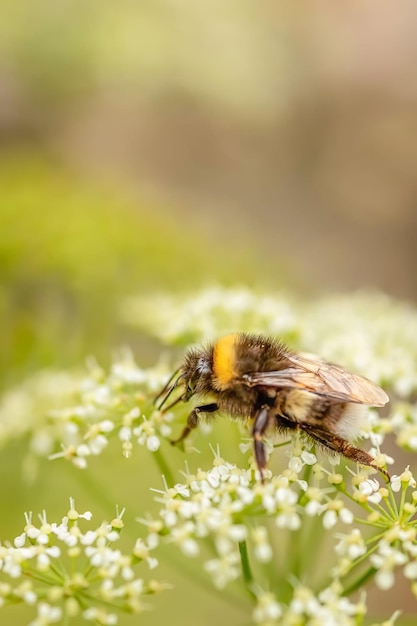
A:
(54, 555)
(351, 545)
(267, 609)
(385, 560)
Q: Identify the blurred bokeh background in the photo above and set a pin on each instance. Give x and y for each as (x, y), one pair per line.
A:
(169, 144)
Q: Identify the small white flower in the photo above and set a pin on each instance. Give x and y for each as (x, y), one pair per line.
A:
(335, 511)
(308, 457)
(153, 443)
(395, 483)
(289, 519)
(98, 444)
(47, 615)
(267, 609)
(20, 541)
(351, 545)
(79, 462)
(410, 570)
(313, 507)
(403, 480)
(125, 433)
(237, 532)
(384, 579)
(106, 426)
(368, 486)
(296, 464)
(329, 519)
(100, 616)
(346, 515)
(262, 548)
(224, 569)
(385, 561)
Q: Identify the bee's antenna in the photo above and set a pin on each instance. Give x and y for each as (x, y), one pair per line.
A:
(168, 389)
(167, 408)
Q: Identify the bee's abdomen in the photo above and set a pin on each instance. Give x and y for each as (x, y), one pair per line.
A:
(342, 418)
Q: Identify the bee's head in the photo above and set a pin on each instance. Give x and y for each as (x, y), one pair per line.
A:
(193, 377)
(197, 371)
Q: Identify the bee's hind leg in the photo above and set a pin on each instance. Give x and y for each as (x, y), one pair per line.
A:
(260, 425)
(193, 419)
(340, 445)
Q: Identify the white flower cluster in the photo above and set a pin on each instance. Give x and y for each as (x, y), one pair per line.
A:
(23, 407)
(395, 543)
(65, 572)
(81, 414)
(219, 503)
(307, 608)
(225, 515)
(227, 507)
(216, 504)
(201, 316)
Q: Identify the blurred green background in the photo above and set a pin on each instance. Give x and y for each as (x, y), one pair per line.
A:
(167, 144)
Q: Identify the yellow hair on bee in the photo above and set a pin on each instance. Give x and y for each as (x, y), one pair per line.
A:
(298, 403)
(224, 360)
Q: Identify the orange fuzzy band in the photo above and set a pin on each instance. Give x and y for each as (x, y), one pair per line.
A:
(224, 360)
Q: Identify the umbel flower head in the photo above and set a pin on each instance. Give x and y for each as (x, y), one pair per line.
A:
(66, 571)
(80, 413)
(69, 569)
(302, 543)
(239, 527)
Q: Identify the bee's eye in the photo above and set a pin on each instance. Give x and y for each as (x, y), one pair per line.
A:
(202, 366)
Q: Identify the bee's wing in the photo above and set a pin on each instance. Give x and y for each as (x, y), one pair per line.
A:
(310, 373)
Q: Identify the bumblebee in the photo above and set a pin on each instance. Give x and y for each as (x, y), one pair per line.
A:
(260, 378)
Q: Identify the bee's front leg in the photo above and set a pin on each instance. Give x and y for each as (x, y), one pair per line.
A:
(193, 418)
(260, 426)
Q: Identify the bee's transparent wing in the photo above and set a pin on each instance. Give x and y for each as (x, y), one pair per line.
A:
(309, 373)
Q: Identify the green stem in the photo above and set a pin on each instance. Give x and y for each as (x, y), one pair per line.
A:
(402, 501)
(393, 507)
(65, 619)
(282, 444)
(312, 539)
(42, 578)
(164, 467)
(300, 537)
(360, 582)
(327, 581)
(246, 569)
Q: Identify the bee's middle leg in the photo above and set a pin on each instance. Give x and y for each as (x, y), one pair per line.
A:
(193, 419)
(260, 425)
